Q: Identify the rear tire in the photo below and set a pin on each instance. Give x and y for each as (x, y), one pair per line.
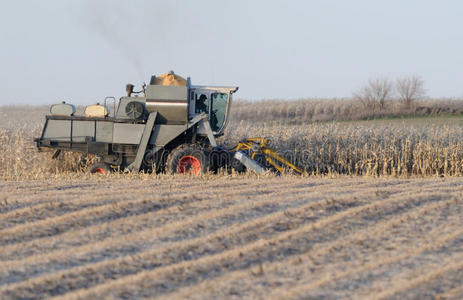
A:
(100, 168)
(189, 159)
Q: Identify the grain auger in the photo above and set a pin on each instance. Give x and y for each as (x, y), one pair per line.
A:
(257, 155)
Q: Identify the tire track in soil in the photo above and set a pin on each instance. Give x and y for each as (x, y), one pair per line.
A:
(60, 234)
(88, 216)
(63, 193)
(91, 276)
(450, 264)
(299, 291)
(253, 246)
(242, 277)
(455, 293)
(32, 266)
(226, 259)
(32, 213)
(85, 231)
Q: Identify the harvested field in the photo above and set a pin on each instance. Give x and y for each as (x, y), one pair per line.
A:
(232, 237)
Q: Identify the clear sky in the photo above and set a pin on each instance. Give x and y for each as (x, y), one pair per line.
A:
(83, 50)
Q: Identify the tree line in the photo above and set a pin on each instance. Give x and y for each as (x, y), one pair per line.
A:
(377, 92)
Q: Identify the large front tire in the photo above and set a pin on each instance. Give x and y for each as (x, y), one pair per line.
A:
(189, 159)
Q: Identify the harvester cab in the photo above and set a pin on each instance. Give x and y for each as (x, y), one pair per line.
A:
(169, 125)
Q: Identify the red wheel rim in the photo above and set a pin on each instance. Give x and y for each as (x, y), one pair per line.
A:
(189, 165)
(99, 171)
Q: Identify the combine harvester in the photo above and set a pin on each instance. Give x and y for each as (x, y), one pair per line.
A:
(170, 126)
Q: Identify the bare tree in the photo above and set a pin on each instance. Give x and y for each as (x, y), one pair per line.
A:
(410, 89)
(375, 94)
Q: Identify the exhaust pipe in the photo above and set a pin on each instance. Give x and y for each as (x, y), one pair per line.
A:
(129, 89)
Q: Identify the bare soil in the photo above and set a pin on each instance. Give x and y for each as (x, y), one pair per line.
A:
(232, 237)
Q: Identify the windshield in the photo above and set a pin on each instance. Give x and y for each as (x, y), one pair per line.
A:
(218, 110)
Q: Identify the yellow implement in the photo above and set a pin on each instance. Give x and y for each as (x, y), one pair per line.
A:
(260, 147)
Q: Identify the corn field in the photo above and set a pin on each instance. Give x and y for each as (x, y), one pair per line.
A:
(397, 148)
(368, 148)
(306, 111)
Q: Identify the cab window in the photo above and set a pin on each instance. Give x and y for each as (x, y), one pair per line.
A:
(218, 109)
(201, 103)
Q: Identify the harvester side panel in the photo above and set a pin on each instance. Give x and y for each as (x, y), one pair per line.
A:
(82, 130)
(58, 130)
(104, 131)
(163, 134)
(171, 103)
(127, 133)
(95, 130)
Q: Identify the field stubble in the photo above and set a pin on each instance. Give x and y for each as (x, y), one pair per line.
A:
(275, 237)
